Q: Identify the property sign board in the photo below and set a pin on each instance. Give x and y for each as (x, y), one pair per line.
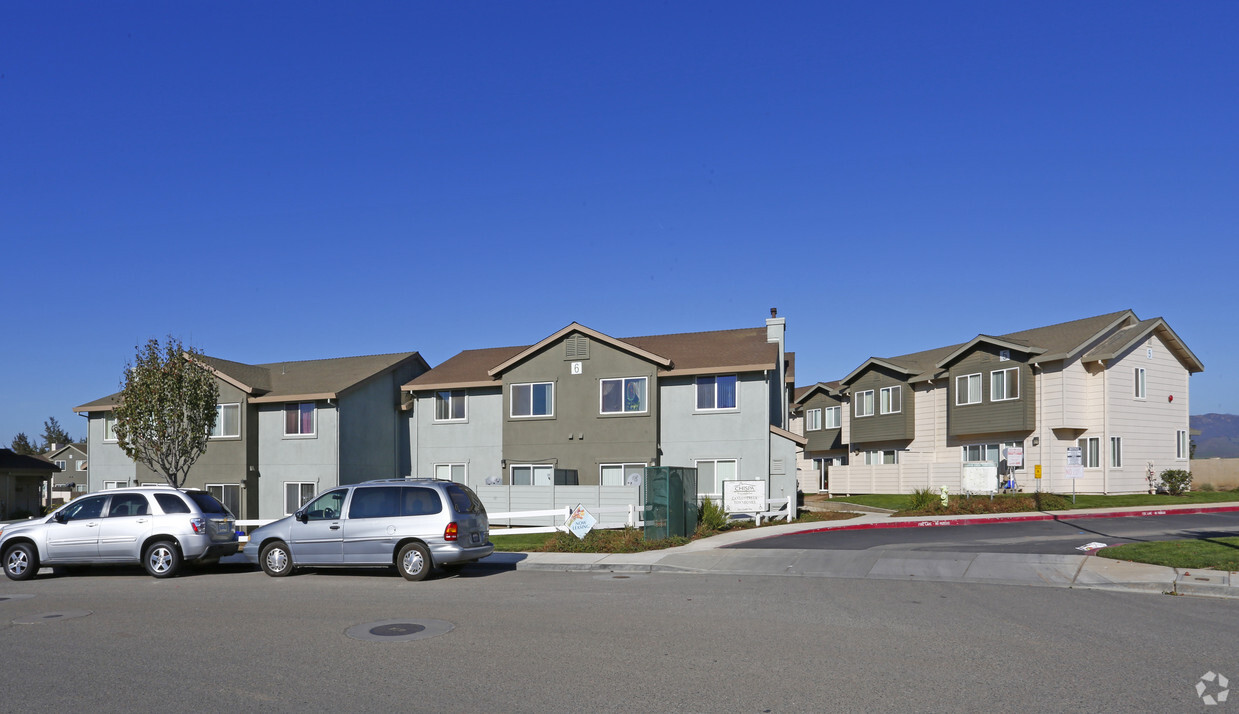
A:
(1075, 463)
(980, 477)
(744, 496)
(581, 522)
(1015, 457)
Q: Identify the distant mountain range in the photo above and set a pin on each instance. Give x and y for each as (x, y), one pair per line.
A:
(1219, 435)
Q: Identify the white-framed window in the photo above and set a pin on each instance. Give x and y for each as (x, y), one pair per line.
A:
(864, 403)
(81, 465)
(451, 406)
(1182, 449)
(880, 457)
(1141, 384)
(813, 420)
(228, 494)
(987, 452)
(1116, 452)
(1004, 384)
(716, 392)
(621, 474)
(711, 473)
(296, 495)
(1090, 452)
(532, 474)
(831, 417)
(62, 464)
(109, 426)
(107, 485)
(535, 399)
(891, 399)
(299, 419)
(227, 422)
(968, 389)
(623, 395)
(451, 472)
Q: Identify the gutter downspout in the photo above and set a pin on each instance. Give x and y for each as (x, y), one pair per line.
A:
(1105, 426)
(338, 424)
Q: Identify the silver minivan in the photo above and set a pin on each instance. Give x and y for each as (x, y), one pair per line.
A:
(159, 526)
(413, 524)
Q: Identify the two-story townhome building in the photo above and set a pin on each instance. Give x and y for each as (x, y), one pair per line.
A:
(74, 475)
(283, 431)
(578, 416)
(1114, 386)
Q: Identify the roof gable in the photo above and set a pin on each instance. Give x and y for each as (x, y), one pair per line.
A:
(621, 345)
(1127, 337)
(998, 342)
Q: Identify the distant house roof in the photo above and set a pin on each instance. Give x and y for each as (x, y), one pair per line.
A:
(1065, 340)
(689, 353)
(291, 381)
(80, 448)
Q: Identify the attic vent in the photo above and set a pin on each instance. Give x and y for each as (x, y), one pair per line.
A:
(776, 467)
(576, 347)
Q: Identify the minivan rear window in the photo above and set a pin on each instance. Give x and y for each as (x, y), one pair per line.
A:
(464, 500)
(375, 502)
(171, 503)
(207, 503)
(421, 502)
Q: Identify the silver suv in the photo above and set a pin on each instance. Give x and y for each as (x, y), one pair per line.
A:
(159, 526)
(413, 524)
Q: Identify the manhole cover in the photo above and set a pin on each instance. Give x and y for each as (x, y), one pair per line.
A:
(50, 617)
(399, 630)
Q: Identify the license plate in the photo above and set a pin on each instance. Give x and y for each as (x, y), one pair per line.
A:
(477, 537)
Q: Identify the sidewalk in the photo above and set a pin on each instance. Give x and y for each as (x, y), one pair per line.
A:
(709, 555)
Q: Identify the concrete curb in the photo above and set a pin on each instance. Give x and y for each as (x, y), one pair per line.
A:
(932, 521)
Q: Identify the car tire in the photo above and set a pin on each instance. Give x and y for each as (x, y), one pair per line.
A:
(162, 559)
(276, 560)
(413, 562)
(21, 562)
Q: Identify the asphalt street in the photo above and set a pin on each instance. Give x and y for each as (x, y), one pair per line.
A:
(1050, 536)
(234, 640)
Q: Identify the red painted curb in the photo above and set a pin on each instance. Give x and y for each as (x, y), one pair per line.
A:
(930, 522)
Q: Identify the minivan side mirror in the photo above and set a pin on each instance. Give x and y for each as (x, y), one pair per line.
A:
(301, 516)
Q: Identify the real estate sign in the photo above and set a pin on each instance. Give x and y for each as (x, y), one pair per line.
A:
(744, 496)
(1075, 463)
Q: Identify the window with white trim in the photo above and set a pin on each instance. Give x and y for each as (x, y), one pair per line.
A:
(81, 465)
(1182, 449)
(109, 426)
(535, 399)
(881, 457)
(532, 474)
(711, 473)
(813, 420)
(891, 399)
(968, 389)
(625, 395)
(227, 421)
(296, 495)
(864, 403)
(114, 484)
(1090, 452)
(1141, 384)
(228, 494)
(1116, 452)
(450, 406)
(830, 417)
(987, 452)
(450, 472)
(716, 392)
(621, 474)
(62, 464)
(1004, 384)
(299, 419)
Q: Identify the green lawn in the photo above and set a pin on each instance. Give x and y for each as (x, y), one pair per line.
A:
(900, 502)
(1216, 553)
(520, 542)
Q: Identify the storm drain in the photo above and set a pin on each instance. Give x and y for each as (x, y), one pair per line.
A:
(50, 617)
(399, 630)
(619, 576)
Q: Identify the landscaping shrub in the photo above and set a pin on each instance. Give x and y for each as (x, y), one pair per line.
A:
(1051, 502)
(1208, 487)
(621, 540)
(1177, 481)
(711, 517)
(924, 499)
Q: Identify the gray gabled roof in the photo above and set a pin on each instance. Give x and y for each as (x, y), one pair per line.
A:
(289, 381)
(1124, 339)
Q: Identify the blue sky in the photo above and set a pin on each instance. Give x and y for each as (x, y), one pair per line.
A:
(281, 181)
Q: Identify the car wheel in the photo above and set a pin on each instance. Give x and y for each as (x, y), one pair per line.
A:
(162, 559)
(413, 562)
(21, 562)
(275, 560)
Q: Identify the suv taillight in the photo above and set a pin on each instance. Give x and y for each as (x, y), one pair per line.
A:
(449, 533)
(199, 525)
